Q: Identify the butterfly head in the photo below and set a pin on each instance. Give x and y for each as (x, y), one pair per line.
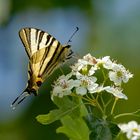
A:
(33, 85)
(30, 91)
(67, 52)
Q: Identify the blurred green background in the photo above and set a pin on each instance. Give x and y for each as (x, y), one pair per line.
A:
(109, 27)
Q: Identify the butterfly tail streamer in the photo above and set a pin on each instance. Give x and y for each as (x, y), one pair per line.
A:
(19, 99)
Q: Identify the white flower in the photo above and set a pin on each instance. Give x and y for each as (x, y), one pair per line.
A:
(90, 59)
(63, 86)
(81, 90)
(92, 70)
(105, 62)
(87, 83)
(64, 77)
(117, 92)
(132, 130)
(60, 92)
(84, 71)
(83, 63)
(119, 74)
(98, 89)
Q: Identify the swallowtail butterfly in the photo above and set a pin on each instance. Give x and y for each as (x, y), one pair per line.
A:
(45, 53)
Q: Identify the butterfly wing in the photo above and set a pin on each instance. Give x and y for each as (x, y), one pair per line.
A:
(34, 39)
(45, 54)
(44, 61)
(44, 51)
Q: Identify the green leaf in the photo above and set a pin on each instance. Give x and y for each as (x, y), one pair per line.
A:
(83, 110)
(101, 129)
(75, 129)
(121, 136)
(114, 129)
(70, 112)
(50, 117)
(69, 105)
(66, 107)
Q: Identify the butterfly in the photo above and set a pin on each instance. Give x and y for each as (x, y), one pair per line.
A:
(45, 54)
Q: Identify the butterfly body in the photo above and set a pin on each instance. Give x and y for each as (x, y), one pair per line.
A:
(45, 54)
(33, 85)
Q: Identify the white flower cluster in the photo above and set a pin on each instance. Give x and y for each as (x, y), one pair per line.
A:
(84, 78)
(132, 130)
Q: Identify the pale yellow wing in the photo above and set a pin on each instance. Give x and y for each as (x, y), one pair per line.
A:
(34, 39)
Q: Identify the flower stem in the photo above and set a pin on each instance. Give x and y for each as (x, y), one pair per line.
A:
(105, 78)
(89, 100)
(106, 105)
(113, 107)
(102, 100)
(100, 108)
(124, 114)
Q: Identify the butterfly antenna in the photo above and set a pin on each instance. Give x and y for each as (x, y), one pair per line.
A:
(19, 99)
(77, 28)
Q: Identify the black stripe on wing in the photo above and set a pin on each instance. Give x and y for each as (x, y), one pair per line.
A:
(51, 61)
(55, 61)
(47, 40)
(57, 58)
(47, 50)
(40, 39)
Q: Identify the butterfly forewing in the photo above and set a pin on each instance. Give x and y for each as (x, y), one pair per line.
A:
(34, 40)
